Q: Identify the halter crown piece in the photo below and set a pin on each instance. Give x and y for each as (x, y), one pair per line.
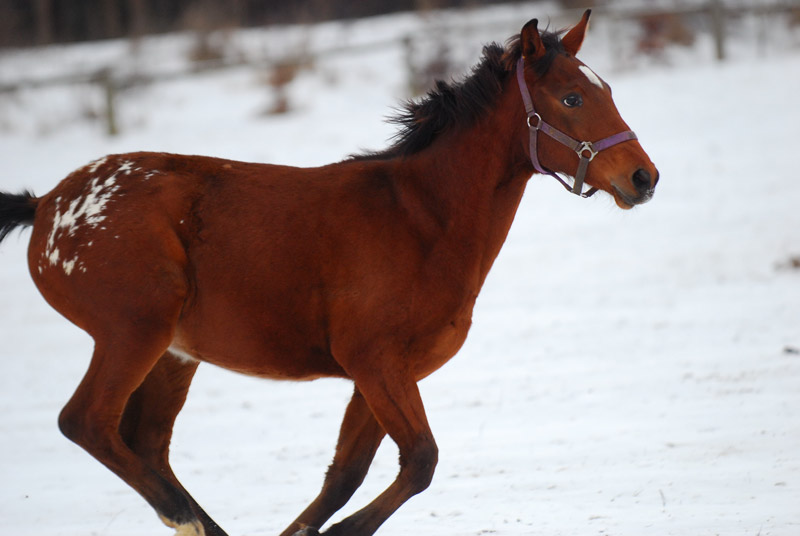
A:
(586, 150)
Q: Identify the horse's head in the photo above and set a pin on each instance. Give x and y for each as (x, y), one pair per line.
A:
(574, 126)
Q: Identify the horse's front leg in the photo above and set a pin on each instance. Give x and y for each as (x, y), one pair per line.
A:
(395, 402)
(359, 439)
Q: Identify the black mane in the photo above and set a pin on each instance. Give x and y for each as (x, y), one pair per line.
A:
(461, 104)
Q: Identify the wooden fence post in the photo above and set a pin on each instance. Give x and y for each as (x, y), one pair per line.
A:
(717, 11)
(106, 81)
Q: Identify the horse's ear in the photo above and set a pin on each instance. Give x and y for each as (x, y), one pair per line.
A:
(574, 38)
(532, 46)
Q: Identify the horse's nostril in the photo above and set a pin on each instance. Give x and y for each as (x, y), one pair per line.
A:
(641, 180)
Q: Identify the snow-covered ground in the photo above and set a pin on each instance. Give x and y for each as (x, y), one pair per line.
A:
(628, 373)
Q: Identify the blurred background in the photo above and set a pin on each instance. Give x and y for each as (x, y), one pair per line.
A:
(43, 22)
(643, 31)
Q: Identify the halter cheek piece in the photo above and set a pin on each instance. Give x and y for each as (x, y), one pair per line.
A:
(586, 150)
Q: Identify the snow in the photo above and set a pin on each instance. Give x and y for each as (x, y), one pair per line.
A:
(628, 373)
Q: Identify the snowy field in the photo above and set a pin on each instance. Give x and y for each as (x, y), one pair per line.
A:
(629, 373)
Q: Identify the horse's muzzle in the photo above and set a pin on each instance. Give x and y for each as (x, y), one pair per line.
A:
(644, 184)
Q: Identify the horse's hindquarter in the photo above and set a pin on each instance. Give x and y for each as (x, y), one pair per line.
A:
(105, 246)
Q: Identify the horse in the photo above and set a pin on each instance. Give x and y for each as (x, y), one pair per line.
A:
(367, 269)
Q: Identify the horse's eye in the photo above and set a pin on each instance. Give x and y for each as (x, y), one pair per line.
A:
(573, 100)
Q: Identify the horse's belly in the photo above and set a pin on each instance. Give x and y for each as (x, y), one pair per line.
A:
(264, 353)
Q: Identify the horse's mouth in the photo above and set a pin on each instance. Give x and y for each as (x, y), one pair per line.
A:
(626, 201)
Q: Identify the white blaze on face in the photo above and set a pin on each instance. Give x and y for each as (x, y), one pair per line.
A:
(593, 78)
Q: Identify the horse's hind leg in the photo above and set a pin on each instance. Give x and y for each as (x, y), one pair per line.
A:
(92, 418)
(149, 417)
(150, 412)
(359, 439)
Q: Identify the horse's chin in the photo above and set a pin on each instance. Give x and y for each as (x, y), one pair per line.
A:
(627, 202)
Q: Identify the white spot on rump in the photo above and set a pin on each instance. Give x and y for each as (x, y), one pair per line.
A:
(126, 167)
(53, 256)
(85, 210)
(69, 266)
(96, 164)
(593, 78)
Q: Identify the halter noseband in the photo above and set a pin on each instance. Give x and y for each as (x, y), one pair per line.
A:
(586, 150)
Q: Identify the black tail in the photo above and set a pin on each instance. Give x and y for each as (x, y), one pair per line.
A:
(16, 210)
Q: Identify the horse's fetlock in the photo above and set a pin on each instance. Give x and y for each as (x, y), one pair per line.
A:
(344, 481)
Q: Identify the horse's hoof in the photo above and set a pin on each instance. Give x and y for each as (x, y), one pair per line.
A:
(308, 531)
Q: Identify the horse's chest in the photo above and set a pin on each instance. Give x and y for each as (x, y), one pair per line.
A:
(434, 350)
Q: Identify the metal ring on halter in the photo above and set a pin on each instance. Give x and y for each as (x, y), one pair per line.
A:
(586, 146)
(538, 122)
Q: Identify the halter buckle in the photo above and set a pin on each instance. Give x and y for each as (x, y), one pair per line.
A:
(539, 121)
(586, 146)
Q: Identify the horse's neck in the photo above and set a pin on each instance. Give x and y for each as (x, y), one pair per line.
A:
(468, 185)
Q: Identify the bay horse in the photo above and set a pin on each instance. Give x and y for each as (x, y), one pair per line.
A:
(366, 269)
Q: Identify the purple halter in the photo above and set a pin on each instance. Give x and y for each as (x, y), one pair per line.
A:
(586, 150)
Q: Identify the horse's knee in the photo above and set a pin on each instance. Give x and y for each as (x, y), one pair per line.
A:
(419, 464)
